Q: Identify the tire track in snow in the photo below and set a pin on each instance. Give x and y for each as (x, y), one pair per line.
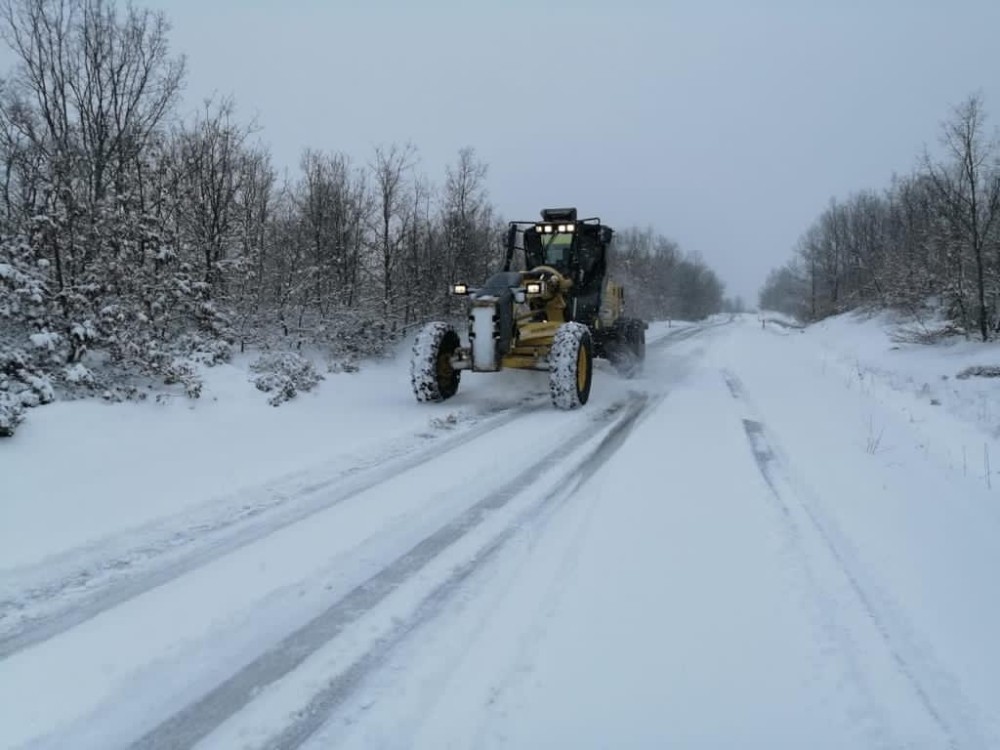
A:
(200, 718)
(936, 690)
(324, 703)
(673, 337)
(683, 334)
(109, 582)
(823, 605)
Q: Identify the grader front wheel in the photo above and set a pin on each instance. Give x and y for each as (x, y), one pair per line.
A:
(571, 366)
(431, 373)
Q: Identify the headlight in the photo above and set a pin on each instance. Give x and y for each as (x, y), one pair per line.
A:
(461, 289)
(533, 287)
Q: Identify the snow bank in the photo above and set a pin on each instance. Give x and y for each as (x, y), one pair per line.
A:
(928, 383)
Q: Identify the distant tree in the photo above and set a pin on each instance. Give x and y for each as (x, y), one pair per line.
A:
(785, 291)
(661, 282)
(734, 305)
(697, 289)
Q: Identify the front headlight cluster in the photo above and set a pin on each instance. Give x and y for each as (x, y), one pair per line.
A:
(550, 228)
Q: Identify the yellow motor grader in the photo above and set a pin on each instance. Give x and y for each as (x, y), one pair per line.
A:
(556, 315)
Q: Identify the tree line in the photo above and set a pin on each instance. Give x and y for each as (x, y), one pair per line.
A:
(147, 241)
(662, 282)
(928, 245)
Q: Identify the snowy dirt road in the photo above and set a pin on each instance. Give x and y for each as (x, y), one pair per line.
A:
(738, 548)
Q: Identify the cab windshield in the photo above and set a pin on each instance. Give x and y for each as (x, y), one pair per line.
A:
(549, 250)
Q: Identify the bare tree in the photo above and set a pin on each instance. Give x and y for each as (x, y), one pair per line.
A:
(463, 205)
(969, 188)
(211, 161)
(333, 203)
(390, 170)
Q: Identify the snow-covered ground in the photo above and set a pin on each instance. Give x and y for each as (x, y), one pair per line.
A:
(772, 538)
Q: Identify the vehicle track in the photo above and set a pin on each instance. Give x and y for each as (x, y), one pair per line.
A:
(937, 692)
(683, 334)
(82, 592)
(204, 715)
(673, 337)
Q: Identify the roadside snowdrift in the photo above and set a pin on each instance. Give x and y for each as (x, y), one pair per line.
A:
(956, 416)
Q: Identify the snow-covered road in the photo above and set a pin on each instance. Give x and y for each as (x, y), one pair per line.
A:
(740, 548)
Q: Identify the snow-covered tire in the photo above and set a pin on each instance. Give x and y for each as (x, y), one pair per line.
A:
(627, 352)
(571, 366)
(431, 374)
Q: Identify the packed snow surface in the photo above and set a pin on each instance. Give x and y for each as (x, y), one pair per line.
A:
(772, 537)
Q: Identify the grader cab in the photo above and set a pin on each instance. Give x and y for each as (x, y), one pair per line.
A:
(557, 314)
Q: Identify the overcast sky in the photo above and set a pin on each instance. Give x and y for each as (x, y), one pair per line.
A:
(727, 126)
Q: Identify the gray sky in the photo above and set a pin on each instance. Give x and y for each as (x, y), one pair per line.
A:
(727, 126)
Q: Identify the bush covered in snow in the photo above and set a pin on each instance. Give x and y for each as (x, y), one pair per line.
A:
(204, 349)
(183, 371)
(78, 375)
(21, 387)
(11, 414)
(979, 371)
(284, 375)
